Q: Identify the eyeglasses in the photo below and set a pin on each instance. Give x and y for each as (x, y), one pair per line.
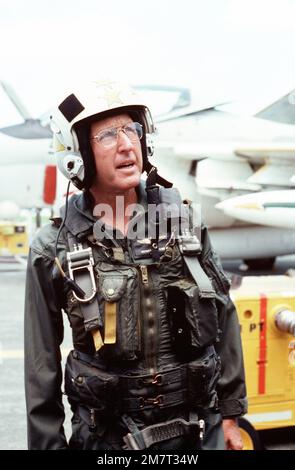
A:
(108, 138)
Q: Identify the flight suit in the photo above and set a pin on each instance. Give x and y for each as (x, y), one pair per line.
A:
(171, 360)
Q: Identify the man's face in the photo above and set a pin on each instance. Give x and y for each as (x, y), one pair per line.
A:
(118, 168)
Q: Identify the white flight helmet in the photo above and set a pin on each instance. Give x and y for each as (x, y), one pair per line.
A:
(95, 99)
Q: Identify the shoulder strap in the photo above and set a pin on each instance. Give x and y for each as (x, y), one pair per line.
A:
(199, 275)
(190, 246)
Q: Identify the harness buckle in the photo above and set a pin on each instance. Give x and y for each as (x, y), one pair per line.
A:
(157, 380)
(82, 259)
(189, 244)
(158, 400)
(155, 401)
(130, 442)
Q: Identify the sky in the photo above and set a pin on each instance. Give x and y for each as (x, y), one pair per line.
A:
(241, 51)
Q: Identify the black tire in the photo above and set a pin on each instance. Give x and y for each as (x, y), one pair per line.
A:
(261, 263)
(250, 436)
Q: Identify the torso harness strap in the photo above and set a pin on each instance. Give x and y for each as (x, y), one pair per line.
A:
(80, 265)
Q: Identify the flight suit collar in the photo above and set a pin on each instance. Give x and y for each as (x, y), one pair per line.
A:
(80, 218)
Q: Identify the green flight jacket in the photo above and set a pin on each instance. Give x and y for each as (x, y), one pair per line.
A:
(45, 301)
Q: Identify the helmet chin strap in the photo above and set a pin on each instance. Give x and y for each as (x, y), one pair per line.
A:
(153, 178)
(153, 197)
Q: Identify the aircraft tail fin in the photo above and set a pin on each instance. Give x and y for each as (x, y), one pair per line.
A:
(282, 110)
(15, 99)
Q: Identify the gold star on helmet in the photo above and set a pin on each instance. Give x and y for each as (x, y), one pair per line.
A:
(112, 97)
(108, 92)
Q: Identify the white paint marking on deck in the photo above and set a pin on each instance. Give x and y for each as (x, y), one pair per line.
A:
(267, 417)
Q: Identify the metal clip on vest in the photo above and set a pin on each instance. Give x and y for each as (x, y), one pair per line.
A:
(79, 260)
(189, 243)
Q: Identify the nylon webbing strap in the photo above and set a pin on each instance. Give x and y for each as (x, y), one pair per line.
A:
(90, 310)
(158, 179)
(139, 440)
(110, 316)
(199, 275)
(97, 339)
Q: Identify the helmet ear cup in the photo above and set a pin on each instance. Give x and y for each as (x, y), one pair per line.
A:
(72, 167)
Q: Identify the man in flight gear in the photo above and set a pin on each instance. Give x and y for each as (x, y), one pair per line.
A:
(157, 360)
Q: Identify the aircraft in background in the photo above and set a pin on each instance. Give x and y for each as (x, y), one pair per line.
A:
(271, 208)
(215, 156)
(212, 155)
(28, 172)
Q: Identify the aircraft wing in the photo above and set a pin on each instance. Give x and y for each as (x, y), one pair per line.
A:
(30, 129)
(218, 134)
(190, 110)
(275, 151)
(262, 151)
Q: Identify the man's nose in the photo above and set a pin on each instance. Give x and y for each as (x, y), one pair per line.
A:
(124, 143)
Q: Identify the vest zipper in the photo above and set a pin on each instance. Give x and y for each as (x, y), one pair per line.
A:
(149, 321)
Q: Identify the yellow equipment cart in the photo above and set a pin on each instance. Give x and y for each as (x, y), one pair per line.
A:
(13, 238)
(266, 309)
